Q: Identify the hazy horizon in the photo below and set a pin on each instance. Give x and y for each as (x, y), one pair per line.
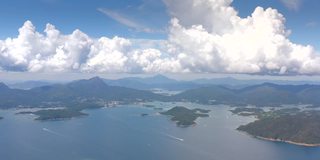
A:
(65, 77)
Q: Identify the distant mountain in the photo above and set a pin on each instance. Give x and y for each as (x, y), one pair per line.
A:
(266, 94)
(73, 93)
(28, 84)
(212, 94)
(241, 83)
(3, 86)
(157, 79)
(155, 82)
(96, 90)
(13, 97)
(220, 81)
(162, 82)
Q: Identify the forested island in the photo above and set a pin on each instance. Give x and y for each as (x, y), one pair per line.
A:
(144, 114)
(185, 117)
(55, 114)
(290, 125)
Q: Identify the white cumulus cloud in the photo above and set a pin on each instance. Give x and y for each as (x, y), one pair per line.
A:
(215, 39)
(205, 36)
(76, 52)
(34, 52)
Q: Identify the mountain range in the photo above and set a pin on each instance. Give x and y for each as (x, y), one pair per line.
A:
(155, 82)
(170, 84)
(266, 94)
(74, 93)
(96, 91)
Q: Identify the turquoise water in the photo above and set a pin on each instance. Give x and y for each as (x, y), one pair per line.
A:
(121, 133)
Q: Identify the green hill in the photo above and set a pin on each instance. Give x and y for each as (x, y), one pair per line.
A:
(266, 94)
(301, 128)
(74, 93)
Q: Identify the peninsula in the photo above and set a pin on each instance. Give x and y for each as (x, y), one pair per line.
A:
(286, 125)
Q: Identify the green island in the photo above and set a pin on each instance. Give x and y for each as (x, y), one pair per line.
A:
(290, 125)
(55, 114)
(158, 108)
(312, 106)
(25, 112)
(185, 117)
(144, 114)
(247, 111)
(153, 107)
(148, 105)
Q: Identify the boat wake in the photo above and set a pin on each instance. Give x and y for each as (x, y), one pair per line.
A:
(53, 132)
(173, 137)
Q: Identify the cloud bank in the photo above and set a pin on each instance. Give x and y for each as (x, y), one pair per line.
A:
(54, 52)
(209, 38)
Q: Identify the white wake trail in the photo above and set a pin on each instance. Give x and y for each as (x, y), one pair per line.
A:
(53, 132)
(173, 137)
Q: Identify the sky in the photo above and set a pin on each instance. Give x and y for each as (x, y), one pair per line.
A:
(260, 37)
(67, 15)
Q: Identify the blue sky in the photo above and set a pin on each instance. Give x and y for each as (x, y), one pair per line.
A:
(68, 15)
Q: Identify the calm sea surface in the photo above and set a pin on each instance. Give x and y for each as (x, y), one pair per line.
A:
(121, 133)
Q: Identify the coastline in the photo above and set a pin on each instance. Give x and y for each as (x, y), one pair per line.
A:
(282, 141)
(289, 142)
